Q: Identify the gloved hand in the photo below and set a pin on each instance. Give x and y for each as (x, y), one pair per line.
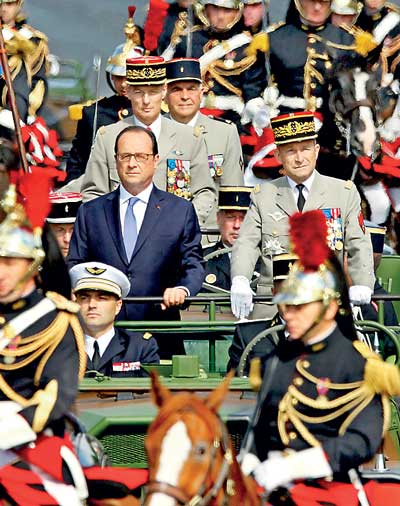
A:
(360, 294)
(280, 470)
(241, 297)
(15, 431)
(249, 463)
(256, 111)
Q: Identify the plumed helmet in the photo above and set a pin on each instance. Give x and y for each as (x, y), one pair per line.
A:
(300, 9)
(346, 7)
(131, 48)
(314, 276)
(200, 6)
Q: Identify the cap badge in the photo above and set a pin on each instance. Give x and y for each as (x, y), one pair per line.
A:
(96, 271)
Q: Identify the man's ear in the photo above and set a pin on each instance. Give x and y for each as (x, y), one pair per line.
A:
(317, 148)
(164, 91)
(278, 155)
(118, 306)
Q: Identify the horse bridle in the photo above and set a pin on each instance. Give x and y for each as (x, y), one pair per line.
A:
(202, 496)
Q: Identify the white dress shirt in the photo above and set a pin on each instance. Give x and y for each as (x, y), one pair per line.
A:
(139, 208)
(307, 186)
(103, 342)
(155, 127)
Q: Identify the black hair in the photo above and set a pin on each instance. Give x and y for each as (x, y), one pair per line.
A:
(137, 129)
(53, 274)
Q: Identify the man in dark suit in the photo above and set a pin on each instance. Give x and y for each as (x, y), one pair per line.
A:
(99, 289)
(150, 235)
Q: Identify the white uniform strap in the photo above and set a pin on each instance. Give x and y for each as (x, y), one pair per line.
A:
(26, 318)
(224, 48)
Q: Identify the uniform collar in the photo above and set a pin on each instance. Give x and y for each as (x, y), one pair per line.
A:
(155, 126)
(22, 303)
(307, 183)
(103, 342)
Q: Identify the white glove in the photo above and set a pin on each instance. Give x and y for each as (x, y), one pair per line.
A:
(15, 431)
(256, 111)
(360, 294)
(241, 297)
(249, 463)
(280, 470)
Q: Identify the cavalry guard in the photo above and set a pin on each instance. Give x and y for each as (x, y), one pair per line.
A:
(320, 417)
(232, 77)
(105, 110)
(27, 52)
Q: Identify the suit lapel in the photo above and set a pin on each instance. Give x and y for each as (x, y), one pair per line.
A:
(284, 197)
(315, 199)
(151, 216)
(113, 349)
(111, 212)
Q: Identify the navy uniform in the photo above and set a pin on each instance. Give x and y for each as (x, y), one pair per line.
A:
(246, 331)
(232, 77)
(109, 109)
(322, 415)
(27, 52)
(368, 20)
(218, 267)
(126, 351)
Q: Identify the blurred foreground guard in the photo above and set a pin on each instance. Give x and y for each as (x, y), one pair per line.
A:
(38, 333)
(321, 415)
(99, 289)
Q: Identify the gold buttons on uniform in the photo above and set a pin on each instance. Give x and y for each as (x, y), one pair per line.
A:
(292, 436)
(305, 364)
(298, 381)
(313, 86)
(2, 320)
(312, 40)
(295, 402)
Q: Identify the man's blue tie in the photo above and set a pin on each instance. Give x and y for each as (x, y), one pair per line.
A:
(130, 228)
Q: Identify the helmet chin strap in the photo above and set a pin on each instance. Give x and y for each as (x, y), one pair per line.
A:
(317, 320)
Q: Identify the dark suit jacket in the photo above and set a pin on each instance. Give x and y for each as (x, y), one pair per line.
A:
(126, 347)
(167, 252)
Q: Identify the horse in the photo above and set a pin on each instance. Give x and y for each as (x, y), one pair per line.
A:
(190, 454)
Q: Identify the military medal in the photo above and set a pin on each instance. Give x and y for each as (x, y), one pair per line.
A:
(322, 389)
(211, 279)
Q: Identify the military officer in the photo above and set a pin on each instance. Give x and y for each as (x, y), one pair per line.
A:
(233, 203)
(298, 70)
(322, 416)
(62, 216)
(183, 166)
(27, 52)
(42, 359)
(265, 229)
(224, 152)
(107, 110)
(254, 14)
(232, 78)
(246, 331)
(99, 289)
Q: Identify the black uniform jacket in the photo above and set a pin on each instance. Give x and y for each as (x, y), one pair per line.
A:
(109, 110)
(62, 364)
(244, 333)
(125, 353)
(218, 268)
(336, 359)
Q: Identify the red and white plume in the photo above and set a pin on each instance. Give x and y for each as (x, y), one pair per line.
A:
(309, 232)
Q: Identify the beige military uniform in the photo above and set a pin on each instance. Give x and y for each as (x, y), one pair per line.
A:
(178, 147)
(225, 158)
(265, 230)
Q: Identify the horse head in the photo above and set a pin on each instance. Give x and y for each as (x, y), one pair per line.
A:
(190, 455)
(354, 103)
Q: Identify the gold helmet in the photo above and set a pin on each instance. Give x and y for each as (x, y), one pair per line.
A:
(226, 4)
(314, 277)
(20, 237)
(346, 7)
(300, 9)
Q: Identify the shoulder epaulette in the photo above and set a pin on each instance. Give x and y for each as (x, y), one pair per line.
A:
(223, 120)
(75, 111)
(102, 130)
(257, 188)
(349, 184)
(275, 26)
(35, 33)
(62, 303)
